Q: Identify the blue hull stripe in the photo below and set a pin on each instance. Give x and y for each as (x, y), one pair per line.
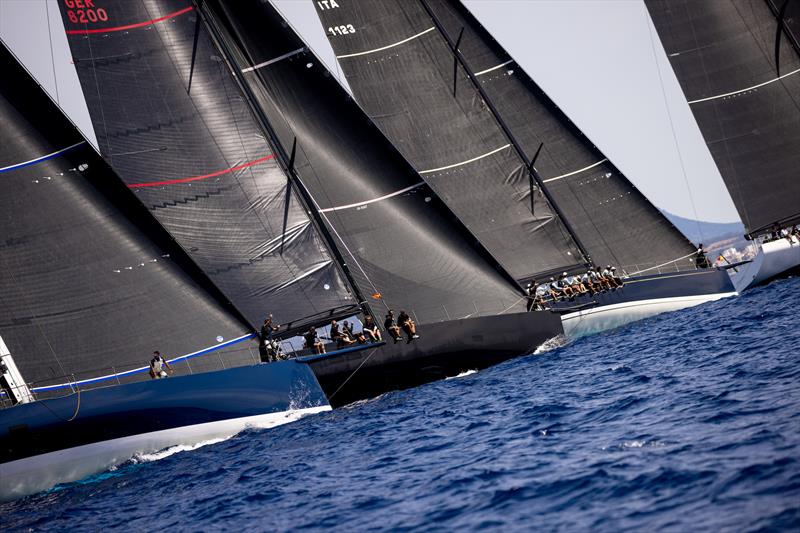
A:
(198, 353)
(40, 159)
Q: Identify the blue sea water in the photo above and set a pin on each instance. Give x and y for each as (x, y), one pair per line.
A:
(689, 421)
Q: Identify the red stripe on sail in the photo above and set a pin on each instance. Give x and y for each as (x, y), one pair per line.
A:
(203, 177)
(131, 26)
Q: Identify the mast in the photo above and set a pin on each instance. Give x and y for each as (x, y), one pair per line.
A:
(506, 130)
(286, 163)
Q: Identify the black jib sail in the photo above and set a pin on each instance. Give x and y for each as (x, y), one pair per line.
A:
(404, 245)
(171, 121)
(90, 283)
(739, 66)
(445, 111)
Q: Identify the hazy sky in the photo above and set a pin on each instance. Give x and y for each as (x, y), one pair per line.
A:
(600, 60)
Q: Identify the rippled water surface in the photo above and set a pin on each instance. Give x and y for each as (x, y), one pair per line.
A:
(688, 421)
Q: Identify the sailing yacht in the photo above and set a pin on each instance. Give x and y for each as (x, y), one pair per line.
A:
(251, 155)
(738, 64)
(541, 196)
(91, 285)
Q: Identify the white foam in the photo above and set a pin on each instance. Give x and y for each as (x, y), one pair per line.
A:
(163, 454)
(551, 344)
(463, 374)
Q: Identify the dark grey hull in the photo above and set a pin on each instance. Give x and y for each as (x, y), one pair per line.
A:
(444, 349)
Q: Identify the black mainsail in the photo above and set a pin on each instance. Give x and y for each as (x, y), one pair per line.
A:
(738, 63)
(405, 245)
(160, 90)
(445, 112)
(171, 121)
(90, 283)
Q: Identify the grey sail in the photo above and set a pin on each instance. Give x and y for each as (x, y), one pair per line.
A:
(403, 246)
(746, 105)
(398, 59)
(170, 120)
(90, 283)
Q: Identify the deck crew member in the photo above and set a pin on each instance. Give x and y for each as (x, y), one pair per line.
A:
(565, 286)
(313, 341)
(586, 279)
(159, 366)
(348, 329)
(554, 289)
(700, 260)
(390, 326)
(268, 348)
(408, 325)
(341, 338)
(370, 329)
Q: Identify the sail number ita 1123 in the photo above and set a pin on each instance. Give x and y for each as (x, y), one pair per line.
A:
(341, 30)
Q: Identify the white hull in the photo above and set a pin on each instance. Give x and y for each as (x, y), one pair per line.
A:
(773, 259)
(603, 318)
(41, 472)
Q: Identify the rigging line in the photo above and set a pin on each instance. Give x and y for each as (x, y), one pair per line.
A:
(662, 264)
(671, 122)
(52, 53)
(354, 372)
(109, 158)
(744, 90)
(274, 60)
(201, 177)
(382, 48)
(59, 417)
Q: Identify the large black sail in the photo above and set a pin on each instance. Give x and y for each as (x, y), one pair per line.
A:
(88, 279)
(402, 242)
(170, 120)
(724, 53)
(401, 71)
(401, 68)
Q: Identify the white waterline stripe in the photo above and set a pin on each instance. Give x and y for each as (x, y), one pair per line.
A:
(744, 90)
(501, 65)
(384, 197)
(275, 60)
(487, 154)
(388, 46)
(575, 171)
(42, 158)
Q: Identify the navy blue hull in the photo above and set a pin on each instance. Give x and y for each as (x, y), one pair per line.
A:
(121, 411)
(657, 286)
